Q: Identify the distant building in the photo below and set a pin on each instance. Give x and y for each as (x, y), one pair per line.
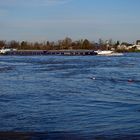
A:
(137, 45)
(138, 42)
(125, 46)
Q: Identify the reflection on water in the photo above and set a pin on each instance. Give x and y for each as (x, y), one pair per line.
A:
(80, 97)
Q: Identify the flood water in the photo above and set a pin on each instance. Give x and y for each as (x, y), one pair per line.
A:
(71, 97)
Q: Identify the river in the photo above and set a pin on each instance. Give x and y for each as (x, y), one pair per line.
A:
(77, 97)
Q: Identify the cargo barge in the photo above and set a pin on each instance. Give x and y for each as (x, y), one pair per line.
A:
(49, 52)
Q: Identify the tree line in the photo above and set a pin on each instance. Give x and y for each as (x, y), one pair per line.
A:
(66, 43)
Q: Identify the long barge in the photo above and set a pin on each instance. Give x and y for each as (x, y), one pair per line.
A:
(50, 52)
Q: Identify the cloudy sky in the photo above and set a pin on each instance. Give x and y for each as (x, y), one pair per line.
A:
(40, 20)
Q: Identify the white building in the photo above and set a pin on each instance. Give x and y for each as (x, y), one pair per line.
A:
(137, 45)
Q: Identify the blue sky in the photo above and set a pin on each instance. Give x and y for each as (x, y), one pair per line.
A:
(41, 20)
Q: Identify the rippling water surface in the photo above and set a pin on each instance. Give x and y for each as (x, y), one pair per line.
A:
(86, 96)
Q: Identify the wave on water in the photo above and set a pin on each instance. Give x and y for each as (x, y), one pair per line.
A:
(115, 80)
(6, 69)
(69, 97)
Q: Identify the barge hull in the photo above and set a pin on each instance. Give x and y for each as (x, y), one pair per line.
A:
(44, 52)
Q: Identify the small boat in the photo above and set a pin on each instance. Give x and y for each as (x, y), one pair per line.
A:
(5, 50)
(108, 52)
